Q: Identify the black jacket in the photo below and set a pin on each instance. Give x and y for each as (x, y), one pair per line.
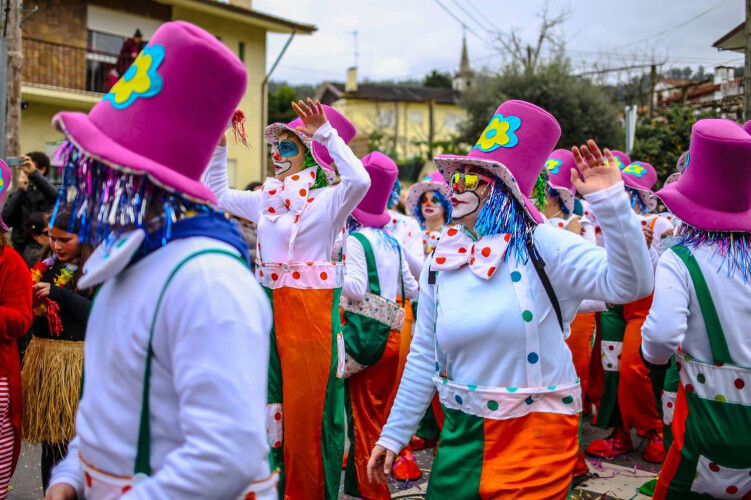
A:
(40, 196)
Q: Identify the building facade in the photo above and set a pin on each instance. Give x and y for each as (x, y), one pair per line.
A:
(71, 50)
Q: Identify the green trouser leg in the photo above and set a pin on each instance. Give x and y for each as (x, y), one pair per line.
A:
(613, 327)
(274, 396)
(332, 427)
(428, 428)
(457, 467)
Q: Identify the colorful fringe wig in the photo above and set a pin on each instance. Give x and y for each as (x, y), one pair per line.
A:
(396, 192)
(106, 200)
(636, 199)
(735, 248)
(502, 214)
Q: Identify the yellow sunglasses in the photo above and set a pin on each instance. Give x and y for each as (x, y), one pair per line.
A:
(469, 181)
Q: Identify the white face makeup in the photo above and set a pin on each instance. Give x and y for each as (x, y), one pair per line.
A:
(288, 155)
(430, 206)
(464, 204)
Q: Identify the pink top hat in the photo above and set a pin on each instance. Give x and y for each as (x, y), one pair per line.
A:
(641, 176)
(164, 117)
(372, 210)
(621, 158)
(338, 121)
(5, 176)
(559, 167)
(712, 192)
(514, 147)
(432, 182)
(747, 127)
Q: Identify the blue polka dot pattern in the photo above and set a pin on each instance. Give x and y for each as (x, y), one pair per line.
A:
(529, 400)
(533, 358)
(458, 399)
(516, 276)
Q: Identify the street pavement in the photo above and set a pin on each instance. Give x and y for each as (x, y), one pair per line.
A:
(618, 478)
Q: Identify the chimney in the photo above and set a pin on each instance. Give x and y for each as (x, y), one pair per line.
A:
(351, 84)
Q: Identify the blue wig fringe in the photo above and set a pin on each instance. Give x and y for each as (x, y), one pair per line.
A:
(735, 248)
(445, 203)
(636, 199)
(384, 234)
(503, 214)
(556, 196)
(396, 192)
(104, 201)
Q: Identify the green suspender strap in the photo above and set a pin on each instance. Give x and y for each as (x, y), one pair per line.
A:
(143, 452)
(717, 342)
(374, 284)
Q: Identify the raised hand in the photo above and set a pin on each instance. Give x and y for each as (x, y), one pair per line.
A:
(311, 114)
(599, 172)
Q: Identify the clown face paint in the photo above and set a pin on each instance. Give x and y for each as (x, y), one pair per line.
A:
(464, 204)
(288, 154)
(430, 206)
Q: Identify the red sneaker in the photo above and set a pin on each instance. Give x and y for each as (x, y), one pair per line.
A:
(406, 469)
(419, 443)
(618, 443)
(655, 450)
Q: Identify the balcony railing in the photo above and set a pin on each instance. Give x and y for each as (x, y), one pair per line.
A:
(67, 66)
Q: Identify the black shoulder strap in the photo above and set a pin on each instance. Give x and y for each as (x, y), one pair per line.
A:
(432, 274)
(539, 265)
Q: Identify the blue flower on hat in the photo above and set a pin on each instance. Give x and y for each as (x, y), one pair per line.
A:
(140, 80)
(552, 165)
(2, 184)
(636, 169)
(688, 158)
(618, 162)
(500, 133)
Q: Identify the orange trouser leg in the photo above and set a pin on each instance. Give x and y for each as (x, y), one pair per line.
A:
(530, 457)
(404, 343)
(636, 397)
(302, 319)
(370, 396)
(580, 344)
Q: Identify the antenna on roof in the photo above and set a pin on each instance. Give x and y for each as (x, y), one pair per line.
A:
(357, 49)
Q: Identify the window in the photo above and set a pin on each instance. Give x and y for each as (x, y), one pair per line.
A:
(241, 51)
(101, 60)
(386, 118)
(415, 117)
(54, 175)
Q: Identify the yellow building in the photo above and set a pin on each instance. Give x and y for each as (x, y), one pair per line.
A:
(71, 48)
(400, 120)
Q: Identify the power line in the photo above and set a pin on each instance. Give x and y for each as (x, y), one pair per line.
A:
(464, 25)
(682, 24)
(479, 23)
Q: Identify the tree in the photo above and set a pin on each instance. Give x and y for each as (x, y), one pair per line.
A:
(437, 79)
(582, 109)
(662, 140)
(280, 109)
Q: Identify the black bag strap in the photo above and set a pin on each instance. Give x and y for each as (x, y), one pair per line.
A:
(539, 265)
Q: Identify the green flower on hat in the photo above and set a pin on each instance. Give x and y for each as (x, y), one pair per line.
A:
(140, 80)
(499, 133)
(552, 165)
(636, 169)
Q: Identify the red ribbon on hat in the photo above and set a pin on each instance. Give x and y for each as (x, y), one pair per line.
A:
(456, 248)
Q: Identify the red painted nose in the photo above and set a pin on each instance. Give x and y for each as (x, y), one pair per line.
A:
(275, 155)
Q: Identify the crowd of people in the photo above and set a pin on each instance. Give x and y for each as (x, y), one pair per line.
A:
(483, 311)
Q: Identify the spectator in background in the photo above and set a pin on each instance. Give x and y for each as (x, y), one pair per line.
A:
(37, 238)
(38, 195)
(128, 52)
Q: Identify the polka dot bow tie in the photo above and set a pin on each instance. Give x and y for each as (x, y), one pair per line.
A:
(291, 195)
(456, 249)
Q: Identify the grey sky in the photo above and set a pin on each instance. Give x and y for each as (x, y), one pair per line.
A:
(400, 39)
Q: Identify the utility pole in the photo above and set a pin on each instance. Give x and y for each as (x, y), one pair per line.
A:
(15, 64)
(652, 85)
(431, 129)
(747, 69)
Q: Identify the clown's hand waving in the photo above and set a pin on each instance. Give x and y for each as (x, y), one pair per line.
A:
(599, 172)
(311, 114)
